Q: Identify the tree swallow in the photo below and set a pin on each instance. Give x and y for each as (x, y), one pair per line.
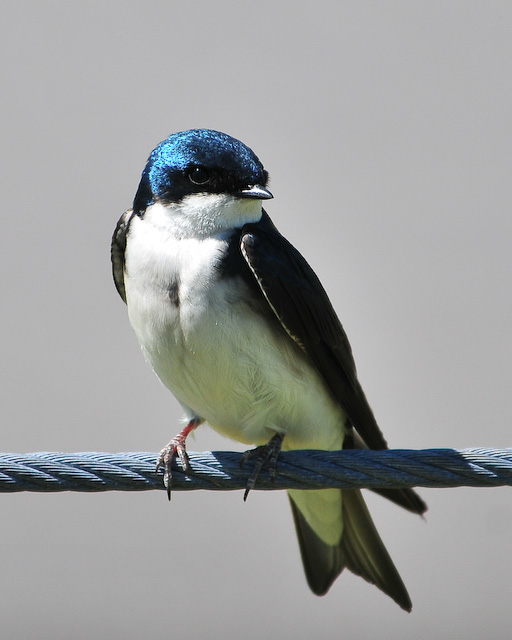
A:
(237, 325)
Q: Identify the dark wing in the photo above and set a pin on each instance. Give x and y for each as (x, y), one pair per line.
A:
(301, 305)
(117, 249)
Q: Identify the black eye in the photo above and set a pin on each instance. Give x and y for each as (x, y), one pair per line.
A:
(199, 175)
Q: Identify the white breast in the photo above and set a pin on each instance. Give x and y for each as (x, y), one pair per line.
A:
(213, 351)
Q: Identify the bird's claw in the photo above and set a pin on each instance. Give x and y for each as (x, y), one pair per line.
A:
(176, 447)
(267, 453)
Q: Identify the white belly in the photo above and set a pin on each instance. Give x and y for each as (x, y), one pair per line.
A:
(220, 358)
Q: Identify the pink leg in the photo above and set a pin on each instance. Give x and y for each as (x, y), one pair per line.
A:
(176, 447)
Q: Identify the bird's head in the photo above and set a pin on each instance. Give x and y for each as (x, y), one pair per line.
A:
(205, 175)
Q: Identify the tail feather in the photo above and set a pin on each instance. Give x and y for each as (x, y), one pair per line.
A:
(322, 562)
(365, 553)
(360, 549)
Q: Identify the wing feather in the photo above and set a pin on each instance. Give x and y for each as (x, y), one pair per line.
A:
(303, 308)
(117, 249)
(300, 303)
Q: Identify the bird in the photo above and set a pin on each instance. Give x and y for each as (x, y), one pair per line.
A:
(238, 327)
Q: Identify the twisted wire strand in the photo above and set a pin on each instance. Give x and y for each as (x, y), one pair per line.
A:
(221, 470)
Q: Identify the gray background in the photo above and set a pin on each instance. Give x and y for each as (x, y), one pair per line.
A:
(386, 130)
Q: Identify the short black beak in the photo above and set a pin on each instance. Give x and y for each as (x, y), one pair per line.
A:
(254, 191)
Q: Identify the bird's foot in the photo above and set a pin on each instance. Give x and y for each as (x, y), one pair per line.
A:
(176, 447)
(266, 453)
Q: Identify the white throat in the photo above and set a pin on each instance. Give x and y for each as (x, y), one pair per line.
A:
(203, 215)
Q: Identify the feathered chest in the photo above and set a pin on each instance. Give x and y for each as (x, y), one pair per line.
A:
(213, 339)
(173, 286)
(202, 332)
